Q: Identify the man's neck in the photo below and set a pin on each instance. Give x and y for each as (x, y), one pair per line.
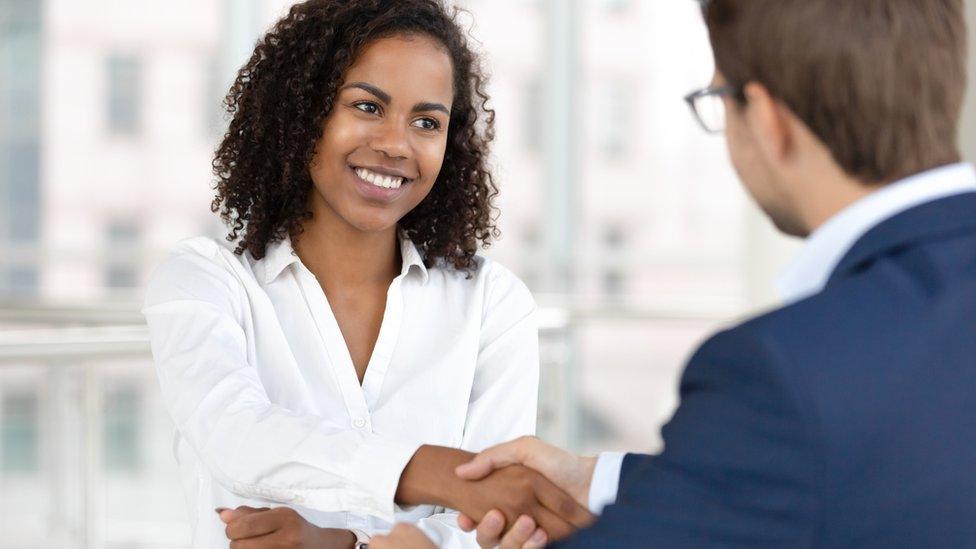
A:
(826, 191)
(834, 199)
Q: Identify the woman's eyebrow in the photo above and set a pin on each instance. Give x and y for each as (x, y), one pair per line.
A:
(425, 107)
(369, 88)
(385, 98)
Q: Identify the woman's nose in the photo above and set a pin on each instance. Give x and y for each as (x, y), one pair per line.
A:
(391, 139)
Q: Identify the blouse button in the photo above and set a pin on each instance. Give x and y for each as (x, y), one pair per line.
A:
(359, 423)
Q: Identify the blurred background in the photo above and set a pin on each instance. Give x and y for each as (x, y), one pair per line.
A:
(622, 216)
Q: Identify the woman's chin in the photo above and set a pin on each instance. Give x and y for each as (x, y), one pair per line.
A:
(374, 225)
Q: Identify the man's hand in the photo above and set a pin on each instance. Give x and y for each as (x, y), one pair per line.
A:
(568, 471)
(523, 535)
(514, 490)
(282, 527)
(403, 536)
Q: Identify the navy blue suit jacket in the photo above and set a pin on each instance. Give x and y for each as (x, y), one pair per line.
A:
(847, 419)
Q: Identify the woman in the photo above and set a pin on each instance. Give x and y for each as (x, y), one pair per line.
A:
(350, 321)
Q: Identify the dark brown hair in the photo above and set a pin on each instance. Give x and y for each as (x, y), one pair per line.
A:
(283, 94)
(880, 82)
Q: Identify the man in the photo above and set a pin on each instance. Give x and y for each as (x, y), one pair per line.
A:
(845, 418)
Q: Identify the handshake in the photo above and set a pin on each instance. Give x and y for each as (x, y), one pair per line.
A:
(523, 493)
(520, 494)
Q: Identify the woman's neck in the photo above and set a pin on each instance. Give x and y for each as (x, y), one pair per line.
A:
(343, 257)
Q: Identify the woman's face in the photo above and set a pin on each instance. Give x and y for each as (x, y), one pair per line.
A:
(383, 143)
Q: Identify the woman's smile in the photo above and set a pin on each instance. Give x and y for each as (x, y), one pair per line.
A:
(380, 185)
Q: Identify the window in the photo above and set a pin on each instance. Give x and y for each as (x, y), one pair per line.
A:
(121, 441)
(23, 192)
(618, 125)
(613, 279)
(124, 255)
(20, 201)
(531, 251)
(19, 432)
(124, 94)
(120, 276)
(20, 46)
(534, 114)
(22, 280)
(213, 112)
(20, 69)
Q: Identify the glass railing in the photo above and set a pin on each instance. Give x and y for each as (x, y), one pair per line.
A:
(86, 444)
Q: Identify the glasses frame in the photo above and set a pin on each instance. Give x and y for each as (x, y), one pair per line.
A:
(711, 91)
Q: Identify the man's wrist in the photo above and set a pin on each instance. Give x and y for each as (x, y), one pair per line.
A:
(588, 467)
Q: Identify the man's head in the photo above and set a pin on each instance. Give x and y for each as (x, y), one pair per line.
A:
(863, 91)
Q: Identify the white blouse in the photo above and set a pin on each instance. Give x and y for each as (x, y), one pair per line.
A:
(268, 409)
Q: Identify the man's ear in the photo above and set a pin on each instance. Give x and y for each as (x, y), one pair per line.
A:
(769, 122)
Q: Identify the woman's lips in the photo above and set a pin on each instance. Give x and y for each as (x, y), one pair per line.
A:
(374, 193)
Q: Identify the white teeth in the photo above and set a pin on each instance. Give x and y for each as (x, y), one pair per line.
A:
(385, 181)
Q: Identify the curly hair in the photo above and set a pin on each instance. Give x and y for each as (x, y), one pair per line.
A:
(283, 94)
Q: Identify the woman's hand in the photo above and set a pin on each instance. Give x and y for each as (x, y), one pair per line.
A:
(403, 536)
(282, 527)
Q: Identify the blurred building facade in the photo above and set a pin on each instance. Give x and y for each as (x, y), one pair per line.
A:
(108, 115)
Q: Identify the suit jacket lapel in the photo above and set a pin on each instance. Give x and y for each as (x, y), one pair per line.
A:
(953, 214)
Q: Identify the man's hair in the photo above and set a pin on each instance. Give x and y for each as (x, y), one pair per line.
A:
(880, 82)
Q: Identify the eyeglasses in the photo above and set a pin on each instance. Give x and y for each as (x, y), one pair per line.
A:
(709, 108)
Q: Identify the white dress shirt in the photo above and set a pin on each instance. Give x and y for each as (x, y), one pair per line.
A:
(268, 409)
(821, 253)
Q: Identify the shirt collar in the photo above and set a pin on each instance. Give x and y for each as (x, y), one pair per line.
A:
(809, 272)
(411, 258)
(277, 257)
(280, 255)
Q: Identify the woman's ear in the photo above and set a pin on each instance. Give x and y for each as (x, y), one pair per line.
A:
(769, 122)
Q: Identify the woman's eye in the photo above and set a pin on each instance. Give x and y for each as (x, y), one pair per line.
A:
(427, 124)
(367, 107)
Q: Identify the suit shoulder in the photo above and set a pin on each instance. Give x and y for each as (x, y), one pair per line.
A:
(856, 310)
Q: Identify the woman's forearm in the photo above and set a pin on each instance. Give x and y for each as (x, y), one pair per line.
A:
(429, 477)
